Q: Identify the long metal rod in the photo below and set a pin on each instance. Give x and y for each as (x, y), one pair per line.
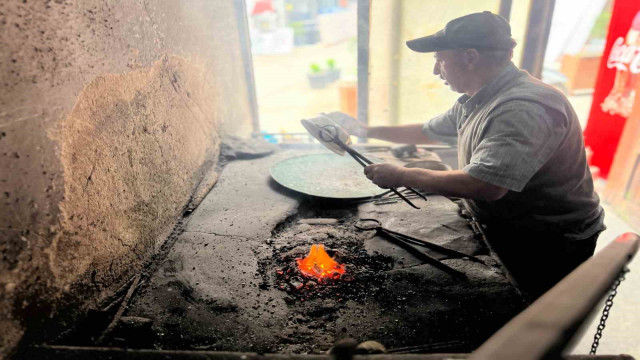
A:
(350, 149)
(330, 133)
(396, 45)
(247, 61)
(537, 36)
(364, 23)
(505, 9)
(421, 255)
(433, 246)
(118, 315)
(360, 159)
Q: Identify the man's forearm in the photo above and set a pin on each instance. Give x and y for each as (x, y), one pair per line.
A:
(454, 183)
(402, 134)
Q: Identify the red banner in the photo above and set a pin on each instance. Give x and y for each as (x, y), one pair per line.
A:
(616, 85)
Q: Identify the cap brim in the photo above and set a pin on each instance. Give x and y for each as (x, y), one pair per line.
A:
(431, 43)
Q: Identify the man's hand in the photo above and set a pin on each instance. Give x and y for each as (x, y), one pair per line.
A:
(385, 175)
(454, 183)
(351, 125)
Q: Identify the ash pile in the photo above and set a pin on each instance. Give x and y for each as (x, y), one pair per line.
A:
(355, 276)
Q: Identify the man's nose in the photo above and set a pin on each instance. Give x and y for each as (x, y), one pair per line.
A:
(436, 69)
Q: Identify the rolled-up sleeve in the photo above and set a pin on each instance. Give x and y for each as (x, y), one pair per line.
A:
(443, 127)
(519, 139)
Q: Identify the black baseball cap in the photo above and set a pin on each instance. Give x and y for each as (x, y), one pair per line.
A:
(483, 30)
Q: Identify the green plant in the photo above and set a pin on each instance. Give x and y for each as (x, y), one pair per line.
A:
(331, 64)
(315, 68)
(298, 27)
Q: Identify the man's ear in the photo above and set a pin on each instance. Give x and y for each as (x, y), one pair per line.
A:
(472, 57)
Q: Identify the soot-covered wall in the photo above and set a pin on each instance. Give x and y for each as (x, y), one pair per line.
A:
(110, 118)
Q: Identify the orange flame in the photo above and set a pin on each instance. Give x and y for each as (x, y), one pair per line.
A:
(319, 264)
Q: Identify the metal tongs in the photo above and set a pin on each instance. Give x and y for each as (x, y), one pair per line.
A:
(329, 134)
(409, 243)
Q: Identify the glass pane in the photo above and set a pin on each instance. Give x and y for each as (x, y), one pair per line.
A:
(305, 61)
(403, 89)
(574, 50)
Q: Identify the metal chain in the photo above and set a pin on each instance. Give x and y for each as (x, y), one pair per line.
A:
(605, 312)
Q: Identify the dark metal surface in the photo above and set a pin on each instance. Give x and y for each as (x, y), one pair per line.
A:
(330, 133)
(409, 243)
(324, 175)
(111, 353)
(337, 140)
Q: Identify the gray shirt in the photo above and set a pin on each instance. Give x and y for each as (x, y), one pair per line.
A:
(523, 135)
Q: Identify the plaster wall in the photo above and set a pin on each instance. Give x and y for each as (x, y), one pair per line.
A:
(110, 119)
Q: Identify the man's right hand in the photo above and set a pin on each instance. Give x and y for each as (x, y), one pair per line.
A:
(349, 124)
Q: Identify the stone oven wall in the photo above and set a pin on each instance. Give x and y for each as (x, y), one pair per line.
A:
(110, 118)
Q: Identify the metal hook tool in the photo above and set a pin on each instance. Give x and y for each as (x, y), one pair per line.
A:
(329, 133)
(408, 242)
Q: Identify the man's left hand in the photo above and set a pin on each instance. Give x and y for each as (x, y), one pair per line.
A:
(385, 175)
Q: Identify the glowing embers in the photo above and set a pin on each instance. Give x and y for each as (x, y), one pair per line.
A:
(319, 264)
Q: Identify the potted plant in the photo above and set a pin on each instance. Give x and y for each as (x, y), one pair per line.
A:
(332, 73)
(298, 33)
(317, 78)
(305, 33)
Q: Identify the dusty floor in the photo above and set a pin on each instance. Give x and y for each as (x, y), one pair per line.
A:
(224, 284)
(621, 333)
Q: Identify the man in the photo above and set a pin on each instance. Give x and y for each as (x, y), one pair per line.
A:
(523, 169)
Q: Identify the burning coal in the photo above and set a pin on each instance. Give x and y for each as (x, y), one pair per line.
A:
(320, 265)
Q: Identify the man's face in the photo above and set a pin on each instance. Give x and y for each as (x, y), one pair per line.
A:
(451, 68)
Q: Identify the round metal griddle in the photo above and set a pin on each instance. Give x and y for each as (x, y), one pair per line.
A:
(325, 175)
